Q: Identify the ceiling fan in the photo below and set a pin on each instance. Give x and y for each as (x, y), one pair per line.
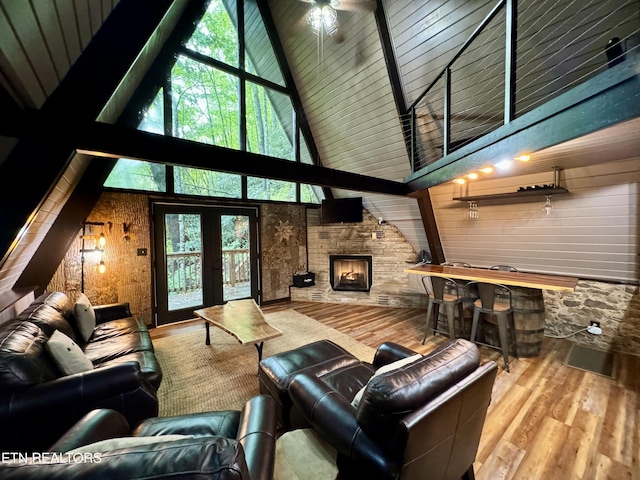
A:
(323, 15)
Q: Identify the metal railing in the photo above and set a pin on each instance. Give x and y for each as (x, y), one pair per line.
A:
(513, 62)
(184, 270)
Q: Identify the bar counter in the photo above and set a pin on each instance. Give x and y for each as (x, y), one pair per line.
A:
(517, 279)
(528, 301)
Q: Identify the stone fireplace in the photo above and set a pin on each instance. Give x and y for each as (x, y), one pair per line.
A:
(387, 251)
(351, 272)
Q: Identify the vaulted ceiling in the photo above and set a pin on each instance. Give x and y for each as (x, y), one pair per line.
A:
(61, 90)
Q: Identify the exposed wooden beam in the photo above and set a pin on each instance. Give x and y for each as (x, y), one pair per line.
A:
(430, 226)
(105, 140)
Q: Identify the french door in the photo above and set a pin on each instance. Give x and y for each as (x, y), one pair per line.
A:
(203, 256)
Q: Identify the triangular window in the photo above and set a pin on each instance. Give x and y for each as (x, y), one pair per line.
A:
(219, 95)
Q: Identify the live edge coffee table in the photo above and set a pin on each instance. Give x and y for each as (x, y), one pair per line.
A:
(241, 318)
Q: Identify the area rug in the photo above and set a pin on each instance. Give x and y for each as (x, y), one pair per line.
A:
(224, 375)
(302, 455)
(591, 360)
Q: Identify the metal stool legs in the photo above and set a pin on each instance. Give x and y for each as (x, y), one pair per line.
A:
(433, 311)
(506, 333)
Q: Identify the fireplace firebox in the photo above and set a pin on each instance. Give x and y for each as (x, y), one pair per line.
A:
(351, 272)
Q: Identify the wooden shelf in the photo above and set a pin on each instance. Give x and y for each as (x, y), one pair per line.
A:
(524, 193)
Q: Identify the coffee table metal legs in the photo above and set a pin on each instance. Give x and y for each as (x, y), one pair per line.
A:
(207, 341)
(259, 348)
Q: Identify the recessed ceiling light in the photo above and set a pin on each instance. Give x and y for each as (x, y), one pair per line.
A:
(523, 158)
(486, 169)
(472, 176)
(459, 181)
(504, 164)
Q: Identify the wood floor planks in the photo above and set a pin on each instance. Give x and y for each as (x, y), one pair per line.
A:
(546, 420)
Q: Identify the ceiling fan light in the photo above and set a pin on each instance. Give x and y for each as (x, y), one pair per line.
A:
(323, 18)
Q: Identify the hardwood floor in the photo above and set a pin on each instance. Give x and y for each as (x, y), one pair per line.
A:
(546, 420)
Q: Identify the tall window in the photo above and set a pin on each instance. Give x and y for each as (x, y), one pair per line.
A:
(219, 95)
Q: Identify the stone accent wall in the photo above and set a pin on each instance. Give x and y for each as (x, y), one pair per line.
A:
(615, 306)
(391, 253)
(283, 235)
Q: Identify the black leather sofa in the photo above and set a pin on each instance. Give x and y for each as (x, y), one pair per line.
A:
(38, 402)
(225, 445)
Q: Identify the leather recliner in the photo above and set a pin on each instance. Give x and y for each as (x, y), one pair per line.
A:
(421, 421)
(223, 445)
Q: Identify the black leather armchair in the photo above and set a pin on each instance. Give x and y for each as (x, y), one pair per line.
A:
(222, 445)
(420, 421)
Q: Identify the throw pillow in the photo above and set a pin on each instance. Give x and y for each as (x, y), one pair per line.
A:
(125, 442)
(67, 355)
(85, 316)
(384, 369)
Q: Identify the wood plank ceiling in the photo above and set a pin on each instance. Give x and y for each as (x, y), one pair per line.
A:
(344, 85)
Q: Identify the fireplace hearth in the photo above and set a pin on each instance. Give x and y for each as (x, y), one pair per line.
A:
(350, 272)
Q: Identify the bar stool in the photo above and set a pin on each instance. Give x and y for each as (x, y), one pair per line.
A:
(504, 268)
(495, 299)
(444, 292)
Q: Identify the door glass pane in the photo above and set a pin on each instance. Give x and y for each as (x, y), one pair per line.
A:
(236, 265)
(183, 244)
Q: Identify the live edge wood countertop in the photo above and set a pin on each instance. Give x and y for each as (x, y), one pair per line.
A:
(519, 279)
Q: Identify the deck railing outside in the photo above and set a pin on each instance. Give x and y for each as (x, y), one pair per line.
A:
(184, 270)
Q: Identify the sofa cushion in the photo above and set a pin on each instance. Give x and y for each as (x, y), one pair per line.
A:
(24, 361)
(67, 355)
(110, 348)
(389, 367)
(390, 396)
(59, 301)
(149, 365)
(84, 316)
(116, 328)
(47, 318)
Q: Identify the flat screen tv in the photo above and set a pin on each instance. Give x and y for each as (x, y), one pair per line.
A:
(341, 210)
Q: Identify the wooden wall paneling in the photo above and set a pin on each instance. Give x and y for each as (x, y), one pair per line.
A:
(16, 67)
(47, 17)
(25, 25)
(592, 231)
(69, 25)
(543, 69)
(95, 15)
(83, 19)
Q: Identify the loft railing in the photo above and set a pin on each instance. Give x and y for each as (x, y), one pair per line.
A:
(514, 61)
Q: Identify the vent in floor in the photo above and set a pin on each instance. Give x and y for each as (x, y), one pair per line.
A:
(316, 296)
(323, 235)
(383, 300)
(592, 360)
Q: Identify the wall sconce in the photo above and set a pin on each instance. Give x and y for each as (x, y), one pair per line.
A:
(99, 242)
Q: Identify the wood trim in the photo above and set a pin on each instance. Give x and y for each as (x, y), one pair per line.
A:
(430, 226)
